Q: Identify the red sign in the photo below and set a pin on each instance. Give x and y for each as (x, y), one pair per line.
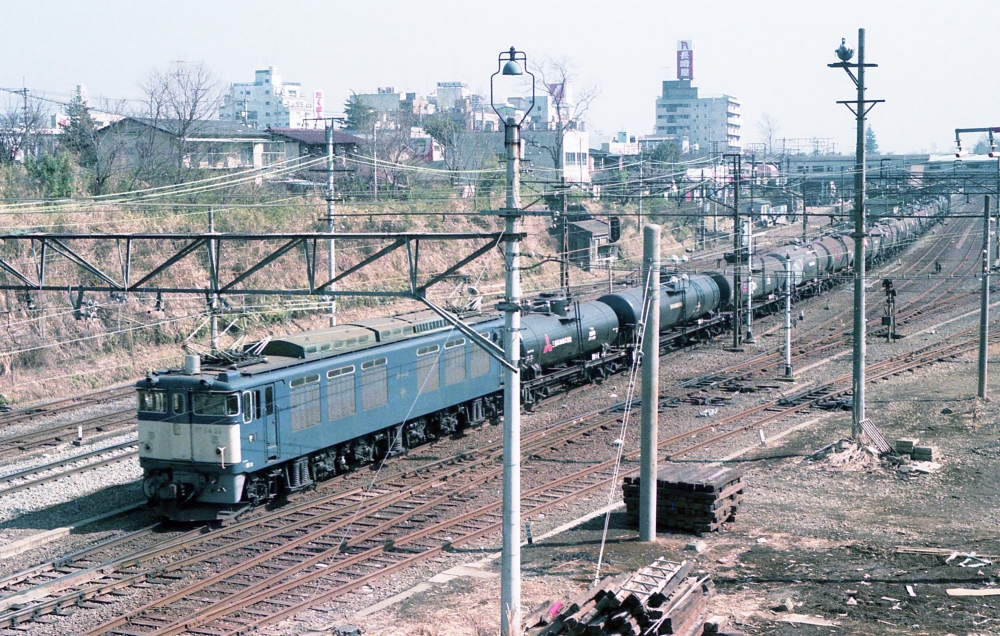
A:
(318, 103)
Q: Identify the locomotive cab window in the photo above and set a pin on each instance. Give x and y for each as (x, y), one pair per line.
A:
(216, 403)
(251, 406)
(178, 400)
(152, 401)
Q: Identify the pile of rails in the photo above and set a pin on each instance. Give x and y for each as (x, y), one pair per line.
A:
(696, 499)
(661, 598)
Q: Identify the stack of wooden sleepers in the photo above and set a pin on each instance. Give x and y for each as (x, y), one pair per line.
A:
(658, 599)
(690, 498)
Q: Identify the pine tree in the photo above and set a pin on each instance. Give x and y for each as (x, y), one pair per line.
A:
(78, 135)
(360, 116)
(871, 145)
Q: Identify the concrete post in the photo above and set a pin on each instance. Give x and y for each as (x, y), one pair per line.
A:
(213, 299)
(329, 219)
(510, 580)
(788, 318)
(749, 283)
(984, 301)
(860, 234)
(650, 382)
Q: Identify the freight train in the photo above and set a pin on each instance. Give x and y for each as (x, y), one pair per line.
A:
(219, 436)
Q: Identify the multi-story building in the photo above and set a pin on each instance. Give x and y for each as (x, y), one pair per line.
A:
(386, 100)
(452, 96)
(269, 103)
(710, 123)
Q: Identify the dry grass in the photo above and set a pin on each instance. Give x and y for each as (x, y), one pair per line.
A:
(46, 351)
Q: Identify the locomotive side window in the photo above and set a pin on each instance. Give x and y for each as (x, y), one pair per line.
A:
(454, 361)
(269, 401)
(216, 403)
(374, 384)
(480, 362)
(304, 394)
(152, 401)
(340, 399)
(251, 406)
(428, 376)
(178, 402)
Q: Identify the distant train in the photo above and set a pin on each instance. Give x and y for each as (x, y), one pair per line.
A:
(217, 437)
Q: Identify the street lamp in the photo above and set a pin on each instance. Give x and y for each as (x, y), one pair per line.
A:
(860, 108)
(512, 63)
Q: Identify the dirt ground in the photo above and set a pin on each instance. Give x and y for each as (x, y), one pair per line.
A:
(807, 532)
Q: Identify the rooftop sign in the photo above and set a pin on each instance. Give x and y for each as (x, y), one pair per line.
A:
(685, 59)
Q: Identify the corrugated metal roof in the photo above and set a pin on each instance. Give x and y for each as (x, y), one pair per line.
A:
(211, 128)
(314, 136)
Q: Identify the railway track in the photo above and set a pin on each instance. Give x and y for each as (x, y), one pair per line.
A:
(15, 447)
(287, 542)
(339, 555)
(63, 405)
(315, 537)
(33, 477)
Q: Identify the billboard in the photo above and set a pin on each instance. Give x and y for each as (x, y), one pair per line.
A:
(685, 59)
(318, 103)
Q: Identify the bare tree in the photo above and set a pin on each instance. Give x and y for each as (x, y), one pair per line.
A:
(567, 111)
(20, 120)
(108, 151)
(768, 129)
(177, 98)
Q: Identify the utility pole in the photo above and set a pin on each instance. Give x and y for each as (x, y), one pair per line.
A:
(704, 218)
(737, 254)
(984, 295)
(375, 157)
(860, 108)
(788, 320)
(213, 272)
(640, 189)
(984, 301)
(650, 382)
(749, 280)
(330, 221)
(564, 221)
(513, 63)
(805, 217)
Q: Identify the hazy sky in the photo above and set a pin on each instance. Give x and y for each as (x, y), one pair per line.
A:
(938, 61)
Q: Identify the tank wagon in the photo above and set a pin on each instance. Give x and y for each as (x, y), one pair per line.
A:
(218, 436)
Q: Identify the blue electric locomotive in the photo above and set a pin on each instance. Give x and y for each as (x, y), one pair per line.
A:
(219, 437)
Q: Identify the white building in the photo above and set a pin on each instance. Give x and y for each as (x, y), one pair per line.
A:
(269, 103)
(60, 120)
(385, 101)
(710, 123)
(452, 95)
